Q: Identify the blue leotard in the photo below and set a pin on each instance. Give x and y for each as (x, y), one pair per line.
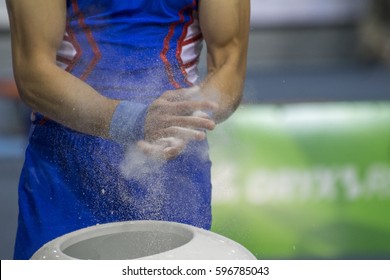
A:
(128, 50)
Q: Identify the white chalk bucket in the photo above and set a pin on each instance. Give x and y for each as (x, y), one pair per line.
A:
(156, 240)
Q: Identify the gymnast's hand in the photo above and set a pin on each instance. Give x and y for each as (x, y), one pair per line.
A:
(173, 120)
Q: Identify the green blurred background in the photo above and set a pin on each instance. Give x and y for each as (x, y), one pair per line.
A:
(305, 181)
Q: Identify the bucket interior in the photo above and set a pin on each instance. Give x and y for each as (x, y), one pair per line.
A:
(127, 245)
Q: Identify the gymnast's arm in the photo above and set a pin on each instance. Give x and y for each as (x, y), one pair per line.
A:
(37, 29)
(225, 27)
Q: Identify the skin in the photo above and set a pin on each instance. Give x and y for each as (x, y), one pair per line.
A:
(37, 29)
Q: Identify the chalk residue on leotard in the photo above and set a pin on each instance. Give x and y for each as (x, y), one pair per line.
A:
(137, 165)
(159, 188)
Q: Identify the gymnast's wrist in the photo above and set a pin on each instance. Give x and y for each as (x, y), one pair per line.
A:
(127, 123)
